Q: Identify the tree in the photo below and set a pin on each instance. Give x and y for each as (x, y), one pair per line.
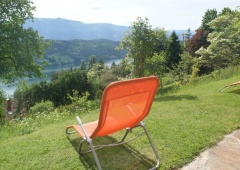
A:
(198, 40)
(209, 15)
(156, 65)
(226, 11)
(224, 48)
(83, 65)
(161, 40)
(92, 61)
(113, 64)
(187, 37)
(173, 51)
(21, 49)
(140, 43)
(101, 63)
(188, 34)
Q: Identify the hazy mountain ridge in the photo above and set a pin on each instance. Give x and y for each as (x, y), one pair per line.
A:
(64, 29)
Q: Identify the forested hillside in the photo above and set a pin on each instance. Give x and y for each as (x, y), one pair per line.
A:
(75, 51)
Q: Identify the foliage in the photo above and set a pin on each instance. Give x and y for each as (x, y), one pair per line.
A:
(224, 41)
(187, 37)
(198, 40)
(55, 91)
(141, 43)
(92, 61)
(42, 107)
(83, 65)
(161, 40)
(155, 65)
(173, 51)
(78, 104)
(226, 11)
(185, 70)
(187, 61)
(195, 71)
(93, 77)
(110, 75)
(217, 75)
(43, 114)
(20, 48)
(64, 83)
(127, 67)
(76, 51)
(209, 15)
(99, 76)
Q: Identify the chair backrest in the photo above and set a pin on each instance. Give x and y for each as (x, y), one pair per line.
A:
(125, 104)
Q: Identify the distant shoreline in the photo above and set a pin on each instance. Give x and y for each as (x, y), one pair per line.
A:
(9, 89)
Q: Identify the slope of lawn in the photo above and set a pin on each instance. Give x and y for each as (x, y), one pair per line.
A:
(181, 124)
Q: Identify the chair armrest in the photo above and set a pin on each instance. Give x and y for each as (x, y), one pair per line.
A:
(70, 127)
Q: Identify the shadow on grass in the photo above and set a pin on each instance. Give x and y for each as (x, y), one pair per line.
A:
(175, 97)
(237, 91)
(117, 157)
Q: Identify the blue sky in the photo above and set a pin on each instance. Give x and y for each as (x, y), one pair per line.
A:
(168, 14)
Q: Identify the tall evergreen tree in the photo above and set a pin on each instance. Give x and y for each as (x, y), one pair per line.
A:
(101, 63)
(83, 65)
(92, 61)
(173, 51)
(187, 37)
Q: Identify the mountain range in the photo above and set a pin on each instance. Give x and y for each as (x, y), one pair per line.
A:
(64, 29)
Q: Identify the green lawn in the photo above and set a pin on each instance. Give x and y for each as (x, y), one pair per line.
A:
(181, 124)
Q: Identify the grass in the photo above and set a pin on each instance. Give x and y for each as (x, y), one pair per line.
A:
(181, 124)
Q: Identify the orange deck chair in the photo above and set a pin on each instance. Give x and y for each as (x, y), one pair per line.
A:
(124, 105)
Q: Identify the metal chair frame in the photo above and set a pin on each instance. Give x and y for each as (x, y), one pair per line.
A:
(93, 148)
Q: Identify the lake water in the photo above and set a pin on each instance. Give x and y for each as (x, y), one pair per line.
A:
(10, 88)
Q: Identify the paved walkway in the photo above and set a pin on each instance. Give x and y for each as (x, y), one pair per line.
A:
(224, 156)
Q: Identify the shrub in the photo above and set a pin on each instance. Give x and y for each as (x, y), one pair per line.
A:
(79, 104)
(44, 107)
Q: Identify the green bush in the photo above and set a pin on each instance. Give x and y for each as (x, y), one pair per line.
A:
(79, 104)
(44, 107)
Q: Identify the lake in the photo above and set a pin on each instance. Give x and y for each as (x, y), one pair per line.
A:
(10, 88)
